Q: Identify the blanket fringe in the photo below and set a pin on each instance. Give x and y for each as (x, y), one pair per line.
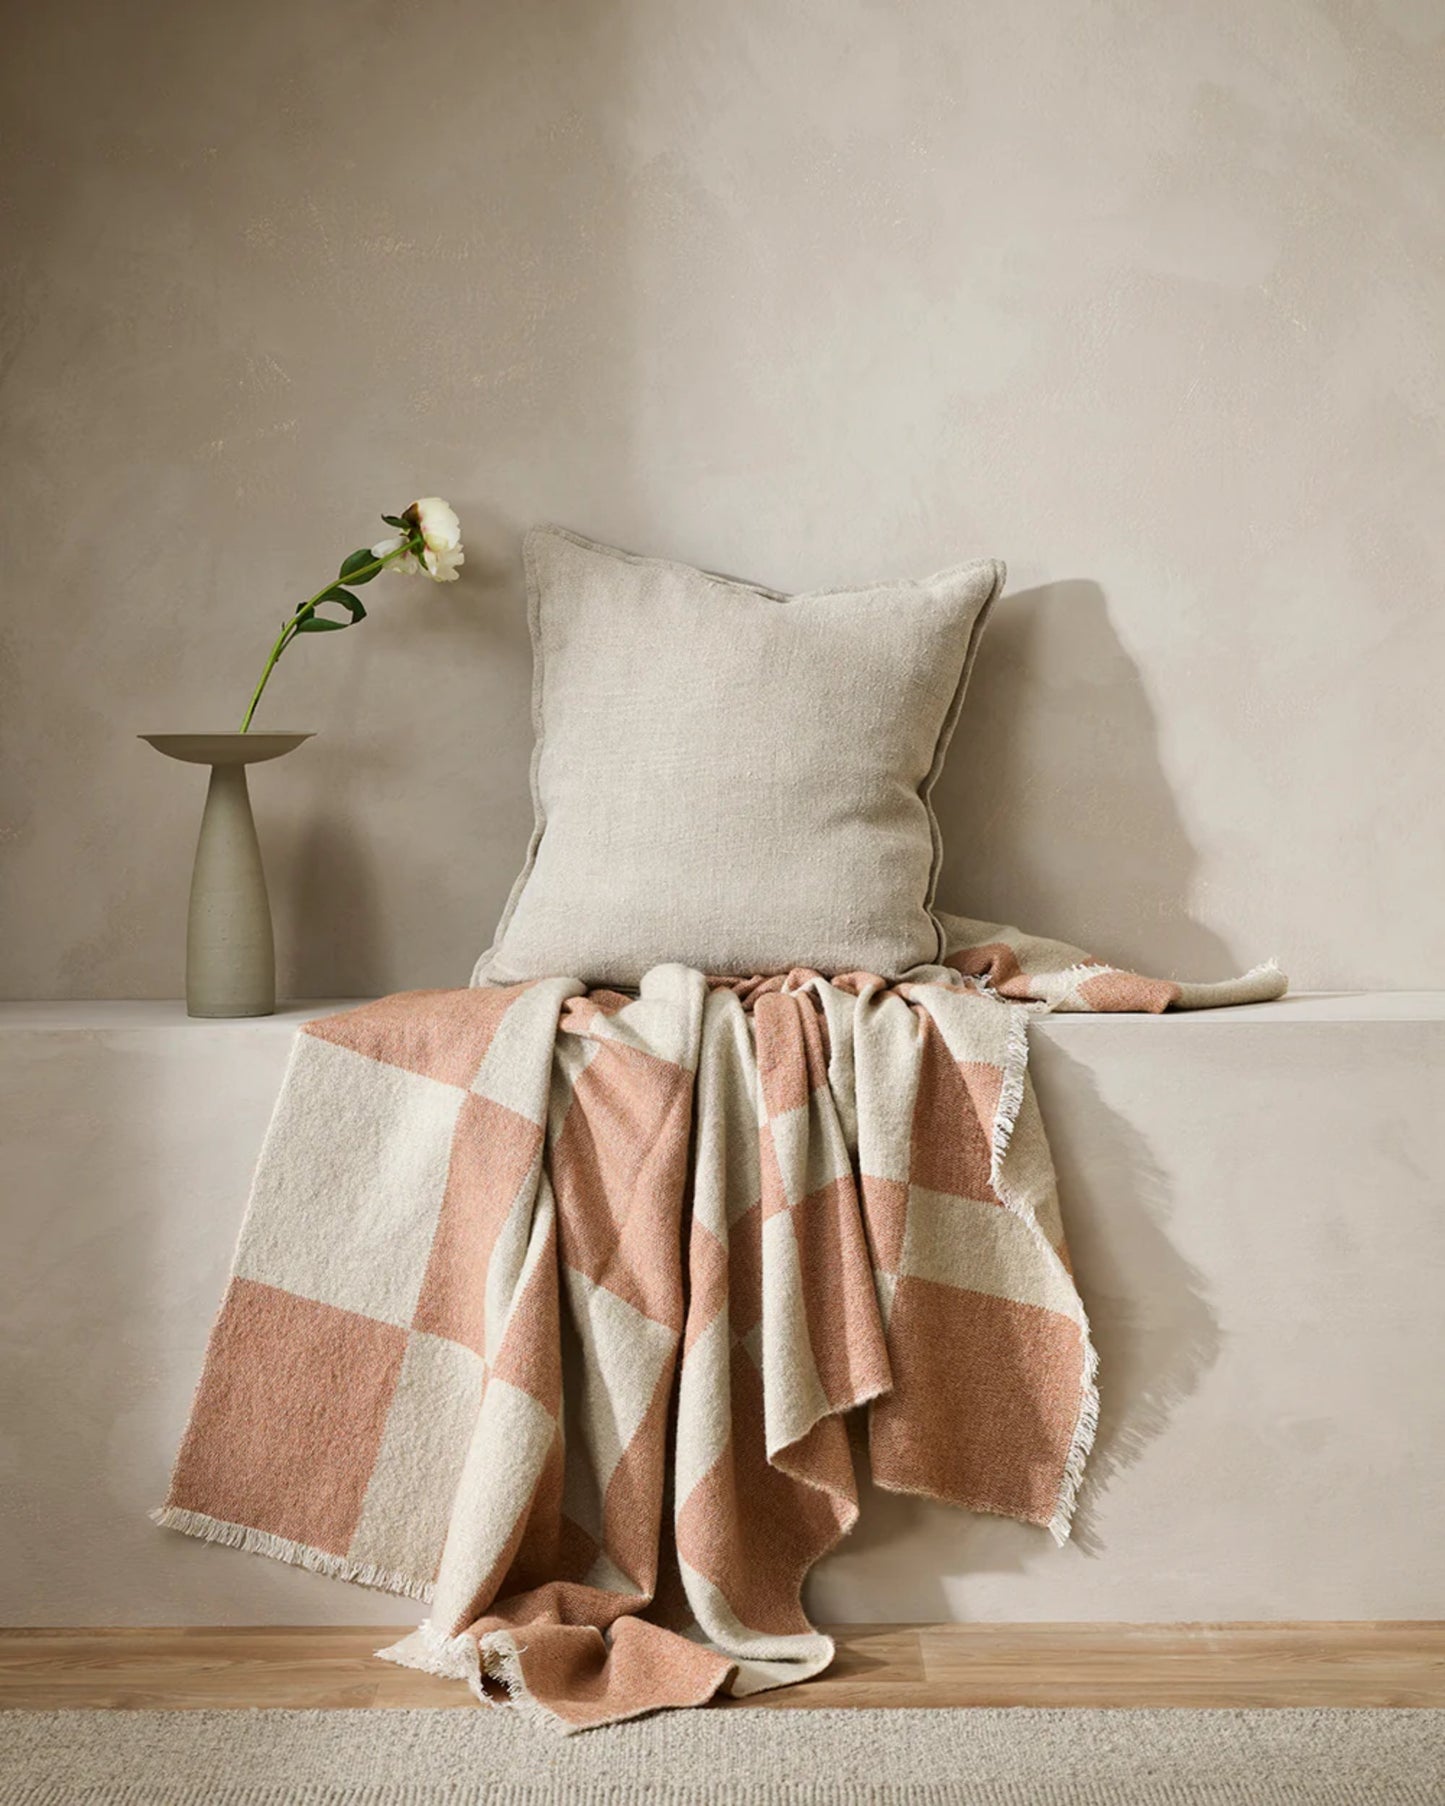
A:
(501, 1660)
(280, 1548)
(1010, 1102)
(466, 1658)
(1011, 1093)
(1085, 1428)
(434, 1652)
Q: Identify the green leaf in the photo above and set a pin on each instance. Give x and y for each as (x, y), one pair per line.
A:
(353, 569)
(395, 520)
(314, 623)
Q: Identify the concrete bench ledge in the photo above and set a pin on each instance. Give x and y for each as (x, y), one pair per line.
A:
(1299, 1008)
(1256, 1204)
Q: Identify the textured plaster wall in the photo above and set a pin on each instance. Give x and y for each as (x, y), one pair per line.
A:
(1146, 298)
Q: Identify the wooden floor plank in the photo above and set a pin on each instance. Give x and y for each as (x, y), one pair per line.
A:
(1196, 1665)
(948, 1665)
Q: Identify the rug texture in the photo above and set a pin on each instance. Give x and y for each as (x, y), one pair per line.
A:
(735, 1758)
(550, 1306)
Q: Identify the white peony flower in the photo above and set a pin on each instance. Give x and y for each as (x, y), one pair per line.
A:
(441, 556)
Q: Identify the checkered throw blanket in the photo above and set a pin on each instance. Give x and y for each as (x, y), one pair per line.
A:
(550, 1305)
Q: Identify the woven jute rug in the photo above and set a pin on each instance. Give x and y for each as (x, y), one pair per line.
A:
(727, 1758)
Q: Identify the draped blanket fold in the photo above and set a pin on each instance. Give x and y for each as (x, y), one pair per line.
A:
(550, 1306)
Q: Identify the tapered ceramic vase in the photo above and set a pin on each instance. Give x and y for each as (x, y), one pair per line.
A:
(230, 953)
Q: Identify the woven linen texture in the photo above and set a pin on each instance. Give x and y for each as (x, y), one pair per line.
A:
(729, 777)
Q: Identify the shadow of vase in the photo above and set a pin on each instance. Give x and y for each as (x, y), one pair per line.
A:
(328, 927)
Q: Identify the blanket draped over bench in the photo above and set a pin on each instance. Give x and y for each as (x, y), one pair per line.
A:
(550, 1305)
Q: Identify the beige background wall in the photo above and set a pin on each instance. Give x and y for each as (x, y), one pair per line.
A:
(1146, 298)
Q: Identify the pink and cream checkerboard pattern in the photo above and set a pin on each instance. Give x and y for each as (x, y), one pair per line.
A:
(549, 1307)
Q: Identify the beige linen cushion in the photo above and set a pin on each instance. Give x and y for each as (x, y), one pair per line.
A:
(728, 777)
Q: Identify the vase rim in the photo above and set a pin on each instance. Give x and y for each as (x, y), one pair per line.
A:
(226, 748)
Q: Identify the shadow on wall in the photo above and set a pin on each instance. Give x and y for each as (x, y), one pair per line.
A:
(335, 925)
(1055, 808)
(1149, 1308)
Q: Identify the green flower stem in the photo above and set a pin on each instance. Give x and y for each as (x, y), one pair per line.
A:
(289, 631)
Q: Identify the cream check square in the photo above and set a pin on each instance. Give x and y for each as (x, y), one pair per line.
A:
(811, 1151)
(976, 1246)
(364, 1173)
(403, 1523)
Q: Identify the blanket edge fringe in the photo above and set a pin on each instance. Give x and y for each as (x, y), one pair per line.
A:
(299, 1555)
(432, 1651)
(1086, 1426)
(1011, 1094)
(501, 1660)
